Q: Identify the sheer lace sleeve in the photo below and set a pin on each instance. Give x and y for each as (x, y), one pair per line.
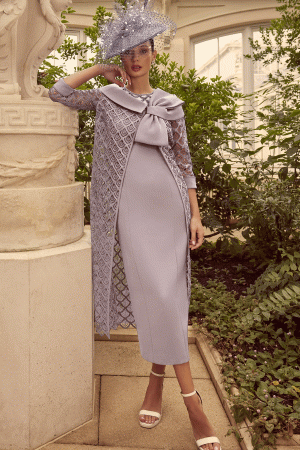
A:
(182, 152)
(61, 92)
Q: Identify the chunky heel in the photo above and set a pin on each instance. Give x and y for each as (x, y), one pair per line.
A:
(207, 440)
(151, 413)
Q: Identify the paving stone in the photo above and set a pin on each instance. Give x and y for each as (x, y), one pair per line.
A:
(90, 447)
(124, 358)
(288, 443)
(287, 447)
(87, 433)
(120, 402)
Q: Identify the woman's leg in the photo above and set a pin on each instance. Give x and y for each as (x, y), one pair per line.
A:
(153, 397)
(200, 424)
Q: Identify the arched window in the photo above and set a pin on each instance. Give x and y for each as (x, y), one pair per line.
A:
(222, 54)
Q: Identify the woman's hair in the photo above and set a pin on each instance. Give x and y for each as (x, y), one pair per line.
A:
(152, 44)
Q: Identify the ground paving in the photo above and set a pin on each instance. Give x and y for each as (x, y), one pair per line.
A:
(121, 378)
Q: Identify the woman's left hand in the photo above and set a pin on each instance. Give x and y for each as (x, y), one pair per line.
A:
(112, 71)
(197, 233)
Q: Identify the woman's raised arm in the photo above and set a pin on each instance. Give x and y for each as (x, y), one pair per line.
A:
(110, 72)
(64, 91)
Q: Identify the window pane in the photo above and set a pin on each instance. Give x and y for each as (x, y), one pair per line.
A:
(70, 63)
(206, 58)
(221, 56)
(231, 59)
(260, 71)
(89, 54)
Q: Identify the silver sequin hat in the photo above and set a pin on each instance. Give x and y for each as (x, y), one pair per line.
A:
(133, 25)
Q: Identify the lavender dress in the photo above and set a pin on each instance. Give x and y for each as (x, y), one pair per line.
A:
(139, 202)
(153, 239)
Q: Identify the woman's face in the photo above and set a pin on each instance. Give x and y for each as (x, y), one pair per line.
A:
(137, 61)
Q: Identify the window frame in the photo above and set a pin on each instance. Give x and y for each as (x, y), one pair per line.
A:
(246, 31)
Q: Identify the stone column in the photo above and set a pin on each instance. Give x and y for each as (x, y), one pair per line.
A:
(46, 311)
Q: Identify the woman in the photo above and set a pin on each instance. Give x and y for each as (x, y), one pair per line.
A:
(143, 207)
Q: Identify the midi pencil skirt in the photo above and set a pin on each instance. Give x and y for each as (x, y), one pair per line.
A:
(153, 238)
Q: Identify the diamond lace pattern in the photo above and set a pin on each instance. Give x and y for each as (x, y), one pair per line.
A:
(115, 130)
(78, 99)
(181, 147)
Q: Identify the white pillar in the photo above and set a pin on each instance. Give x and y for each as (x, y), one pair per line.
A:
(248, 75)
(248, 78)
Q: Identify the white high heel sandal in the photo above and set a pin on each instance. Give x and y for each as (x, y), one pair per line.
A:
(207, 440)
(151, 413)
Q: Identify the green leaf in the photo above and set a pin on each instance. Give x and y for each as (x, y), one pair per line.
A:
(234, 183)
(296, 405)
(218, 131)
(283, 173)
(286, 294)
(269, 427)
(296, 289)
(278, 296)
(214, 143)
(291, 151)
(266, 314)
(226, 168)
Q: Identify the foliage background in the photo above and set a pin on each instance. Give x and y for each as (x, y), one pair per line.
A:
(258, 332)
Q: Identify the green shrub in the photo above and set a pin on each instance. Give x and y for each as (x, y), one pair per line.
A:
(258, 336)
(269, 218)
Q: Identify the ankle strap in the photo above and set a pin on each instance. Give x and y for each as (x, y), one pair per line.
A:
(193, 393)
(188, 395)
(157, 374)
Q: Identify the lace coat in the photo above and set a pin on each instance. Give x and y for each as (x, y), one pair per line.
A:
(122, 119)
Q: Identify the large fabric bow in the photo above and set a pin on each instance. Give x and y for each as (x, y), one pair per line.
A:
(152, 129)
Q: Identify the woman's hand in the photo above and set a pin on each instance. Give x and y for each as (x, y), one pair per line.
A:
(111, 71)
(197, 233)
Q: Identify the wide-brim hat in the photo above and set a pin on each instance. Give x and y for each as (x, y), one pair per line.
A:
(133, 25)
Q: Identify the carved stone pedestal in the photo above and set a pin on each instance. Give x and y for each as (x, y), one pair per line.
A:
(40, 218)
(41, 205)
(46, 344)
